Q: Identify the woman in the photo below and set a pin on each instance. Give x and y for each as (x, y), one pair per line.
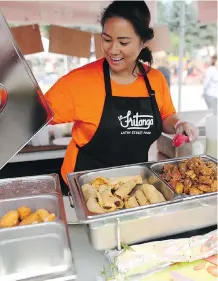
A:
(119, 105)
(211, 85)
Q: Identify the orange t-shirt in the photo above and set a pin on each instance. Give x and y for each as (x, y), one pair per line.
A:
(79, 97)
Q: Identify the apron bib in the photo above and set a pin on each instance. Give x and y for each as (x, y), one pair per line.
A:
(128, 127)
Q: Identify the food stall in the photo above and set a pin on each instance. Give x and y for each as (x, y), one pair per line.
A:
(37, 242)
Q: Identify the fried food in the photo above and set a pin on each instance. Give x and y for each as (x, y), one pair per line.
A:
(153, 195)
(23, 216)
(179, 188)
(99, 181)
(10, 219)
(93, 206)
(24, 212)
(124, 189)
(50, 217)
(131, 202)
(43, 214)
(31, 219)
(195, 191)
(141, 198)
(88, 191)
(197, 176)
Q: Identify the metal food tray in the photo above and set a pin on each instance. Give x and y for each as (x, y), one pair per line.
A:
(158, 167)
(37, 252)
(76, 180)
(144, 223)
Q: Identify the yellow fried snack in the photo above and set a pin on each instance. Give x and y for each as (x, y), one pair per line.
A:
(24, 212)
(153, 195)
(179, 188)
(141, 198)
(99, 181)
(50, 217)
(43, 214)
(88, 191)
(195, 191)
(10, 219)
(31, 219)
(124, 189)
(131, 202)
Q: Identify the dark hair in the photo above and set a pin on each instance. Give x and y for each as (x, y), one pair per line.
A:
(138, 14)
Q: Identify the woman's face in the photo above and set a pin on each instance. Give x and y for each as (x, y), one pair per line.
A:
(120, 44)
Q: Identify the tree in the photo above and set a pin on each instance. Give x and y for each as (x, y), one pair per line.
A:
(196, 34)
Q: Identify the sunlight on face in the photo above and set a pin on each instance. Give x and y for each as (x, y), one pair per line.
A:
(120, 44)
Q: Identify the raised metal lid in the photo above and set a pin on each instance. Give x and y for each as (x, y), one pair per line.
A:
(23, 109)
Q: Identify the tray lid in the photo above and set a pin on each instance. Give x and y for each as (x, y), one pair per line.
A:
(23, 109)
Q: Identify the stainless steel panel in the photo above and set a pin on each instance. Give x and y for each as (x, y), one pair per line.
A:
(29, 186)
(34, 250)
(48, 202)
(23, 109)
(174, 219)
(76, 180)
(45, 245)
(164, 145)
(158, 167)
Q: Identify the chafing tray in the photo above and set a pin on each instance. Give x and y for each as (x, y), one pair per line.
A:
(179, 214)
(76, 180)
(158, 167)
(37, 252)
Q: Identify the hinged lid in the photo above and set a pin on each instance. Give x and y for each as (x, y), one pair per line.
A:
(23, 109)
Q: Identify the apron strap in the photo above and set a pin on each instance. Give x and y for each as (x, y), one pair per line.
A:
(107, 81)
(151, 92)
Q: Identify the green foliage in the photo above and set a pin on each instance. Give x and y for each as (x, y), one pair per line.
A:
(197, 35)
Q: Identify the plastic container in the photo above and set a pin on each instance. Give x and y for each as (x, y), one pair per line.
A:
(211, 136)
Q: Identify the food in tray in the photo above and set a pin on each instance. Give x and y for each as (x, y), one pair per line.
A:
(10, 219)
(25, 216)
(193, 176)
(110, 194)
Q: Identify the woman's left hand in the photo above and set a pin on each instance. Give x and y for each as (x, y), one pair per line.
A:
(190, 130)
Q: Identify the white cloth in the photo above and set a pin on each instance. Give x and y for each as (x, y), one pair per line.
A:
(211, 82)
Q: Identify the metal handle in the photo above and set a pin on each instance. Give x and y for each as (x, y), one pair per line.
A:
(3, 97)
(70, 199)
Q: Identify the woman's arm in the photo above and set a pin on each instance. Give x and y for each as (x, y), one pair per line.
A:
(169, 124)
(60, 100)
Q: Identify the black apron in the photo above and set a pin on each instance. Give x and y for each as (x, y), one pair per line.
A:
(128, 127)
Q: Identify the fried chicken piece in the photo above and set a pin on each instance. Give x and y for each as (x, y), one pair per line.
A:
(204, 188)
(43, 214)
(168, 167)
(186, 189)
(205, 180)
(214, 186)
(50, 217)
(31, 219)
(187, 182)
(10, 219)
(204, 170)
(191, 174)
(183, 167)
(173, 183)
(211, 164)
(195, 191)
(24, 212)
(179, 188)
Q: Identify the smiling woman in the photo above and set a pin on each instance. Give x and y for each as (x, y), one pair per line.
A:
(119, 104)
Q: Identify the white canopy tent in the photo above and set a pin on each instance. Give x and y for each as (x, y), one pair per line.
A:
(86, 14)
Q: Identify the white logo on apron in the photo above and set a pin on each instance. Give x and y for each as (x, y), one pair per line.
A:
(136, 122)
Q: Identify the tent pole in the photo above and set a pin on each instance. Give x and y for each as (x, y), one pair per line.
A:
(181, 53)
